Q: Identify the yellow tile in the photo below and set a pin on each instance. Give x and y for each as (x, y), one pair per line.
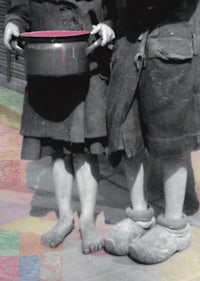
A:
(184, 266)
(30, 224)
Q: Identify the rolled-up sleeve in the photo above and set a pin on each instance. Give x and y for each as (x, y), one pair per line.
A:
(19, 13)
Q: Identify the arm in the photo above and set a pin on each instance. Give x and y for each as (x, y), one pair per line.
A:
(106, 28)
(19, 14)
(17, 20)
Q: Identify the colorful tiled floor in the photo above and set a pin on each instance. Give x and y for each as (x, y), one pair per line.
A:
(26, 188)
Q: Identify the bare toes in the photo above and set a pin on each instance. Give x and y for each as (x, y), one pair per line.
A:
(57, 235)
(50, 239)
(92, 247)
(91, 240)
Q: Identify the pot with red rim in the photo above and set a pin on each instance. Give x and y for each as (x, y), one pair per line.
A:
(56, 53)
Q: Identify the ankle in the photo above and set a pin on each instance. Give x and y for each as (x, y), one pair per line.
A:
(140, 215)
(145, 218)
(67, 218)
(172, 223)
(84, 222)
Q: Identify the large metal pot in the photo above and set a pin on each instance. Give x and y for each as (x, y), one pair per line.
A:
(56, 53)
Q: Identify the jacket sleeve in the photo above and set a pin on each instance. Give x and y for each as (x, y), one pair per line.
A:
(19, 13)
(110, 13)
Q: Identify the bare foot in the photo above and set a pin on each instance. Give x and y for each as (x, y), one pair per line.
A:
(57, 234)
(91, 240)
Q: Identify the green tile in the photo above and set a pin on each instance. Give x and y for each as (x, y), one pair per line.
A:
(11, 99)
(9, 243)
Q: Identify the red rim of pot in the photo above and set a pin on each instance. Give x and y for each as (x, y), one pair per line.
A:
(53, 36)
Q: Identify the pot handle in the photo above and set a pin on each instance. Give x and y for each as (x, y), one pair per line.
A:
(16, 48)
(92, 47)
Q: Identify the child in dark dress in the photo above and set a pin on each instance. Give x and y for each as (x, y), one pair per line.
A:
(65, 117)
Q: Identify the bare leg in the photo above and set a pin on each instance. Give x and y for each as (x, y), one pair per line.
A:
(63, 178)
(134, 170)
(175, 180)
(140, 216)
(86, 171)
(172, 232)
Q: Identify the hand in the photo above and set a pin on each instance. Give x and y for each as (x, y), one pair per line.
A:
(106, 32)
(10, 30)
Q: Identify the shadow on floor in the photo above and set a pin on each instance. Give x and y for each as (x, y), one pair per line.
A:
(113, 196)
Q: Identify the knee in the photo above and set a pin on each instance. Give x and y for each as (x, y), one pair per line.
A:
(63, 163)
(58, 164)
(86, 163)
(80, 159)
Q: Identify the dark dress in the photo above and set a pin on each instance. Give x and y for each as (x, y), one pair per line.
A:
(67, 113)
(156, 75)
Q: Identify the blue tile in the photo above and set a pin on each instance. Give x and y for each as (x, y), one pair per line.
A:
(29, 268)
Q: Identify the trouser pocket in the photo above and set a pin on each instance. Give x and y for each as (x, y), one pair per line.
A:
(171, 48)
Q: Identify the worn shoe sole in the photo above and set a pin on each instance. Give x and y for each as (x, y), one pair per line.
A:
(123, 233)
(159, 244)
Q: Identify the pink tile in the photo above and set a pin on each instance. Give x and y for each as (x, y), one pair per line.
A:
(9, 268)
(13, 175)
(13, 212)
